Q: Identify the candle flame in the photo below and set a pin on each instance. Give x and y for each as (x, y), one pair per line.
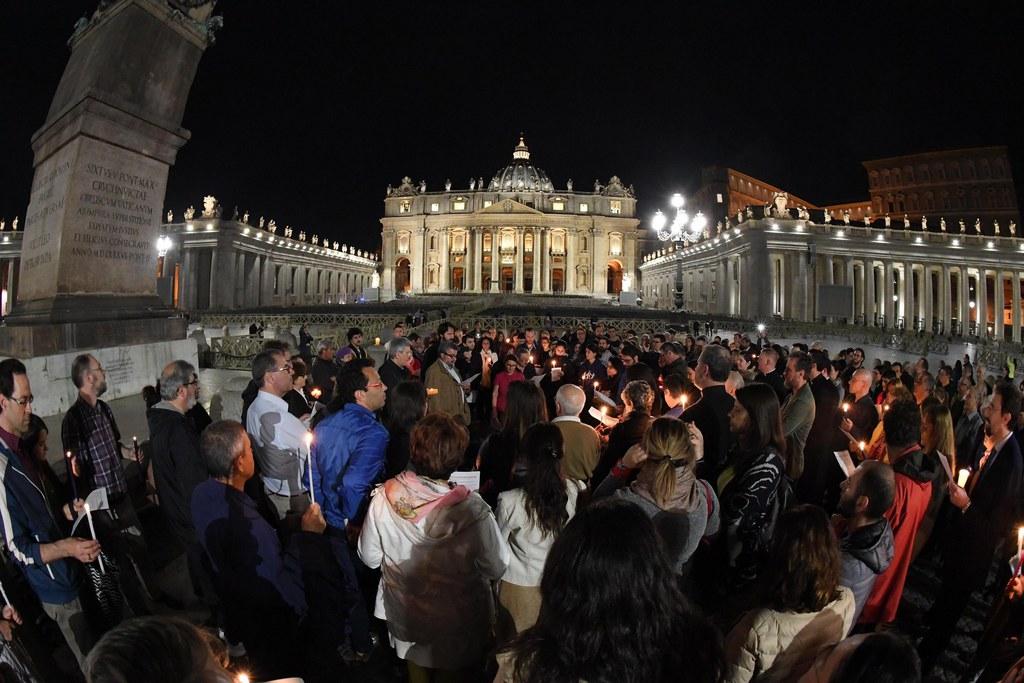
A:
(846, 407)
(863, 446)
(309, 439)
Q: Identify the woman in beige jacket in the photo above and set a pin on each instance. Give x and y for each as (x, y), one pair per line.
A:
(805, 607)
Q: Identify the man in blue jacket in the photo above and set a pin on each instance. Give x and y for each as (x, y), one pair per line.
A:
(30, 532)
(348, 457)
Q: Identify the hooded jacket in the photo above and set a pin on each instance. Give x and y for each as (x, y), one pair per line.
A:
(436, 569)
(915, 473)
(27, 522)
(178, 466)
(864, 554)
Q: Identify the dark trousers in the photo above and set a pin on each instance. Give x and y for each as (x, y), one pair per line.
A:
(358, 617)
(950, 603)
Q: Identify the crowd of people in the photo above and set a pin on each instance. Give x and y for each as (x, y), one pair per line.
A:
(591, 504)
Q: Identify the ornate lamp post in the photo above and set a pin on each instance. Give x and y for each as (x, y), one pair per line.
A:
(682, 231)
(163, 245)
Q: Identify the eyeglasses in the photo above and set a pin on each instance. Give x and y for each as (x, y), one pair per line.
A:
(189, 384)
(286, 366)
(24, 401)
(450, 355)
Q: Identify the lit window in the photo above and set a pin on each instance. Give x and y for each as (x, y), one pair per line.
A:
(434, 207)
(558, 206)
(458, 206)
(616, 206)
(584, 207)
(405, 206)
(487, 202)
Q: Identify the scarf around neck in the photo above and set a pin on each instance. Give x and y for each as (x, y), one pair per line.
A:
(685, 497)
(413, 497)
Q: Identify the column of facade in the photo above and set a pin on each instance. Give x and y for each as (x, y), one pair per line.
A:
(520, 271)
(238, 297)
(267, 289)
(475, 252)
(981, 305)
(570, 261)
(545, 260)
(536, 260)
(999, 306)
(1015, 302)
(888, 308)
(418, 260)
(909, 304)
(830, 273)
(965, 297)
(445, 279)
(495, 257)
(947, 305)
(214, 289)
(870, 298)
(599, 262)
(927, 312)
(189, 279)
(252, 275)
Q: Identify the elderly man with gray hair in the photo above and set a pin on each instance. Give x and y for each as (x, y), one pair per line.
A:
(582, 447)
(859, 413)
(395, 369)
(177, 464)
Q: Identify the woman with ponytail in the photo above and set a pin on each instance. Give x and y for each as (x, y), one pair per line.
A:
(531, 517)
(684, 509)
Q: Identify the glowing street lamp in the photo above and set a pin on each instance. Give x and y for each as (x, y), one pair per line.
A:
(683, 231)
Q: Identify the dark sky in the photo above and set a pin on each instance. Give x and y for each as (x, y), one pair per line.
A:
(305, 111)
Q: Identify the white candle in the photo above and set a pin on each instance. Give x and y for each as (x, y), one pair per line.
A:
(309, 461)
(1020, 541)
(863, 446)
(7, 600)
(961, 478)
(92, 530)
(846, 407)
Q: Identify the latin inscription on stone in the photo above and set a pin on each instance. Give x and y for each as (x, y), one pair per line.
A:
(92, 222)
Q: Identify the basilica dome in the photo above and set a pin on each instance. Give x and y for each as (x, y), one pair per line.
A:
(521, 175)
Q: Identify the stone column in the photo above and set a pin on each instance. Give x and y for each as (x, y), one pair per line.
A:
(570, 261)
(267, 289)
(870, 297)
(537, 260)
(471, 265)
(926, 293)
(964, 315)
(520, 271)
(981, 293)
(909, 305)
(599, 262)
(478, 259)
(445, 275)
(545, 260)
(888, 306)
(998, 306)
(947, 305)
(1015, 302)
(190, 279)
(495, 257)
(215, 291)
(238, 291)
(830, 272)
(417, 262)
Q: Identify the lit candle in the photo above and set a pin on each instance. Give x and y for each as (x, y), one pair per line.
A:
(1020, 541)
(531, 359)
(863, 446)
(432, 391)
(92, 530)
(135, 449)
(71, 476)
(885, 408)
(309, 461)
(7, 600)
(596, 384)
(242, 678)
(961, 477)
(316, 393)
(376, 341)
(846, 407)
(685, 400)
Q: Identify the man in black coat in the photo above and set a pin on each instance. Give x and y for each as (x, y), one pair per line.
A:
(178, 466)
(711, 412)
(396, 368)
(769, 372)
(820, 467)
(989, 507)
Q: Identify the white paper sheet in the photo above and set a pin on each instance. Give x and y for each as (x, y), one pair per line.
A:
(97, 501)
(604, 398)
(471, 480)
(845, 462)
(606, 420)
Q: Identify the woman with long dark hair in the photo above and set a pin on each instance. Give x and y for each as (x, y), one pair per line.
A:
(803, 608)
(407, 403)
(611, 611)
(526, 407)
(750, 484)
(531, 517)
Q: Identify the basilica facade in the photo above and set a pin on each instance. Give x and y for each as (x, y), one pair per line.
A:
(514, 233)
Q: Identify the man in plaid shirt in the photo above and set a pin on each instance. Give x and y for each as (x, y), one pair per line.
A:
(90, 432)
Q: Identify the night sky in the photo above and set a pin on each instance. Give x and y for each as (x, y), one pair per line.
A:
(305, 111)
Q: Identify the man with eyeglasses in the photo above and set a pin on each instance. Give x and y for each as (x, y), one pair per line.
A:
(89, 431)
(178, 466)
(278, 437)
(446, 392)
(33, 539)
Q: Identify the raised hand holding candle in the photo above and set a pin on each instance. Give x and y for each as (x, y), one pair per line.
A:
(961, 477)
(92, 530)
(846, 407)
(863, 446)
(309, 461)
